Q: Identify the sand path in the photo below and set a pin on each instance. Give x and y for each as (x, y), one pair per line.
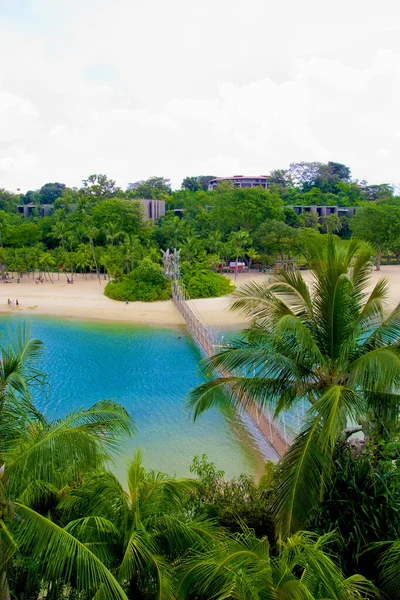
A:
(84, 299)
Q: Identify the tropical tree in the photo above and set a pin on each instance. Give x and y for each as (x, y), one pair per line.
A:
(149, 528)
(243, 567)
(60, 259)
(47, 262)
(113, 232)
(252, 255)
(60, 232)
(239, 240)
(84, 259)
(131, 246)
(331, 349)
(38, 459)
(92, 233)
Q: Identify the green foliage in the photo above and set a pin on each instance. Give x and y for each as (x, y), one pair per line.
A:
(206, 284)
(232, 503)
(69, 529)
(276, 238)
(334, 350)
(49, 192)
(379, 225)
(41, 460)
(234, 208)
(125, 215)
(23, 234)
(154, 187)
(362, 504)
(244, 568)
(145, 283)
(99, 186)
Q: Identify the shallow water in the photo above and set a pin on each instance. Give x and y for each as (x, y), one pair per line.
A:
(150, 371)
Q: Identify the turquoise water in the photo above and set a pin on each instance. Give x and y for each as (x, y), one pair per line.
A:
(149, 371)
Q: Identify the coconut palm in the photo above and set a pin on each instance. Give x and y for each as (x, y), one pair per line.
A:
(113, 232)
(92, 233)
(331, 347)
(244, 568)
(131, 248)
(239, 240)
(60, 232)
(389, 569)
(37, 459)
(43, 459)
(84, 259)
(47, 262)
(149, 533)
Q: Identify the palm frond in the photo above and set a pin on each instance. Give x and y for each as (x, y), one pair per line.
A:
(300, 480)
(140, 560)
(59, 556)
(377, 370)
(390, 572)
(335, 406)
(78, 442)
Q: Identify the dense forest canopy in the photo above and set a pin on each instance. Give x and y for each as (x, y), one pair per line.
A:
(324, 523)
(99, 228)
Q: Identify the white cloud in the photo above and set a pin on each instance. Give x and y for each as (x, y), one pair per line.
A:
(176, 88)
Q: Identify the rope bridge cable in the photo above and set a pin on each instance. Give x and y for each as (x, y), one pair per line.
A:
(273, 431)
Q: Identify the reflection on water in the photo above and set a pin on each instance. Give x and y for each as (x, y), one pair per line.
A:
(149, 371)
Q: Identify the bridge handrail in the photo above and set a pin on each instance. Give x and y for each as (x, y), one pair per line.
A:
(209, 340)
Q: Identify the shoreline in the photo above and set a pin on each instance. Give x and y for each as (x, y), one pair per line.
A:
(84, 300)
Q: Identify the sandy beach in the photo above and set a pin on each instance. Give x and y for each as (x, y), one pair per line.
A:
(84, 299)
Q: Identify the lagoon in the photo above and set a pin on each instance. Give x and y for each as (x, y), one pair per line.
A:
(149, 371)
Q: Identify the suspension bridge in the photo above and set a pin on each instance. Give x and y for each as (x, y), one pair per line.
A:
(277, 433)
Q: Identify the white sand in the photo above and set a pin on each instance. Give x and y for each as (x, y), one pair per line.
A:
(84, 299)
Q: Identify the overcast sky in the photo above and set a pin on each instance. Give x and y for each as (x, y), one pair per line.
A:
(134, 88)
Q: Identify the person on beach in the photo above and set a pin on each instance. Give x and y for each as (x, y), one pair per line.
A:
(16, 302)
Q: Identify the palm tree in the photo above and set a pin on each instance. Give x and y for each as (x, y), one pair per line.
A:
(191, 248)
(150, 530)
(214, 242)
(239, 240)
(38, 458)
(41, 459)
(84, 259)
(253, 255)
(332, 348)
(47, 262)
(60, 232)
(131, 247)
(60, 258)
(113, 232)
(243, 568)
(92, 233)
(36, 253)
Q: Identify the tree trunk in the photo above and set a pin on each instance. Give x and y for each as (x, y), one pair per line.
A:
(378, 259)
(4, 589)
(236, 270)
(95, 262)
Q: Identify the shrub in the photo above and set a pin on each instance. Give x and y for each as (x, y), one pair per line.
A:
(207, 284)
(232, 503)
(146, 283)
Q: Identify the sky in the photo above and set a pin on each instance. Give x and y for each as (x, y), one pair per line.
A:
(174, 88)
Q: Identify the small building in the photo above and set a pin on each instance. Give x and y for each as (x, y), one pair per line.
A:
(324, 211)
(237, 266)
(241, 181)
(153, 209)
(31, 209)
